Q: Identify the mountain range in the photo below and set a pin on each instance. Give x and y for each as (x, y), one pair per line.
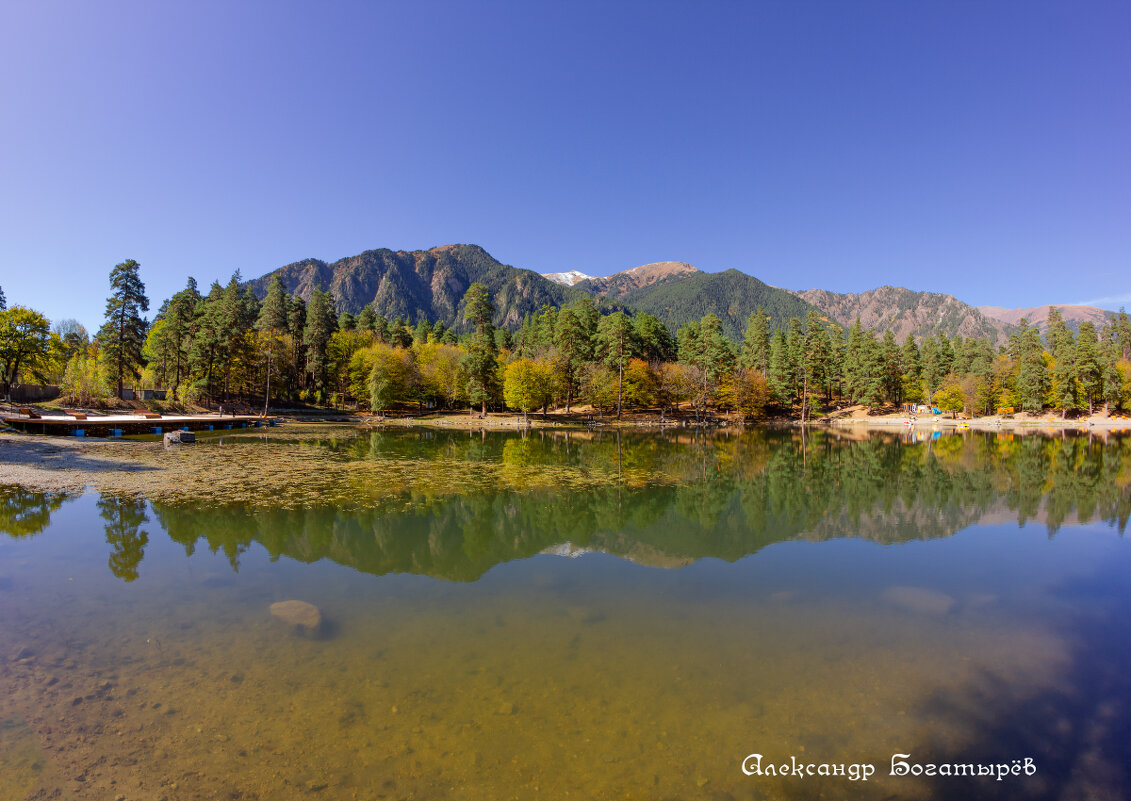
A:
(430, 284)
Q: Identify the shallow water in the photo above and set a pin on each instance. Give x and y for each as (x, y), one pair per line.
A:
(961, 600)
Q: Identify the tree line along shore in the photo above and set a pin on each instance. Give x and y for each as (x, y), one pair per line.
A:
(227, 345)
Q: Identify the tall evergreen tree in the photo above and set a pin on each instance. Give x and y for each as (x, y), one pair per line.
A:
(572, 344)
(653, 339)
(1089, 366)
(795, 356)
(273, 312)
(366, 317)
(1062, 345)
(587, 316)
(1032, 374)
(122, 336)
(756, 342)
(422, 331)
(1123, 333)
(615, 345)
(816, 362)
(853, 365)
(478, 311)
(891, 369)
(779, 375)
(1112, 377)
(912, 372)
(3, 300)
(320, 326)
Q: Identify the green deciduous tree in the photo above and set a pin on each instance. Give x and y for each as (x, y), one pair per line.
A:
(392, 376)
(527, 385)
(25, 344)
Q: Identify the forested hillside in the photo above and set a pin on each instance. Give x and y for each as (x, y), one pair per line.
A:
(685, 296)
(420, 284)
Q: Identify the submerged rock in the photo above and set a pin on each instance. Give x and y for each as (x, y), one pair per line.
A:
(299, 614)
(919, 600)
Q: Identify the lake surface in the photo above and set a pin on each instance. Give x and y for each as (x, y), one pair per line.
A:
(588, 616)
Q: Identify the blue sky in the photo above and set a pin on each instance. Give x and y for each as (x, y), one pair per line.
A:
(980, 149)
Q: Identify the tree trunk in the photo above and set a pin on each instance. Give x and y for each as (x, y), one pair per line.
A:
(267, 391)
(620, 389)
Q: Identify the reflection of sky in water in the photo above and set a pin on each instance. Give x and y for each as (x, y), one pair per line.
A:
(551, 677)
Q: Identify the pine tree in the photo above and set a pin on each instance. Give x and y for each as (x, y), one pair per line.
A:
(3, 300)
(320, 326)
(795, 357)
(572, 344)
(871, 386)
(1112, 377)
(480, 359)
(980, 354)
(365, 318)
(756, 342)
(179, 329)
(587, 316)
(1123, 333)
(122, 336)
(1089, 367)
(912, 372)
(779, 369)
(816, 362)
(207, 343)
(891, 373)
(654, 340)
(1062, 345)
(1033, 374)
(852, 366)
(615, 344)
(235, 318)
(273, 312)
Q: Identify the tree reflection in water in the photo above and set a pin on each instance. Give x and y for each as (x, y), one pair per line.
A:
(124, 518)
(723, 496)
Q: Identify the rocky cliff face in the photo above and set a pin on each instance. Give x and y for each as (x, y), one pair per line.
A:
(1039, 315)
(421, 284)
(904, 311)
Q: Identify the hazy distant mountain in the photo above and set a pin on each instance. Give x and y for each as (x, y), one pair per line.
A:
(1039, 315)
(567, 278)
(677, 293)
(421, 283)
(905, 311)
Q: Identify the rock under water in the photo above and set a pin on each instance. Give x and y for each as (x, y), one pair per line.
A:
(300, 614)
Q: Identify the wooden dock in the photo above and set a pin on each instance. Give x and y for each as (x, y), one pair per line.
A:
(120, 425)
